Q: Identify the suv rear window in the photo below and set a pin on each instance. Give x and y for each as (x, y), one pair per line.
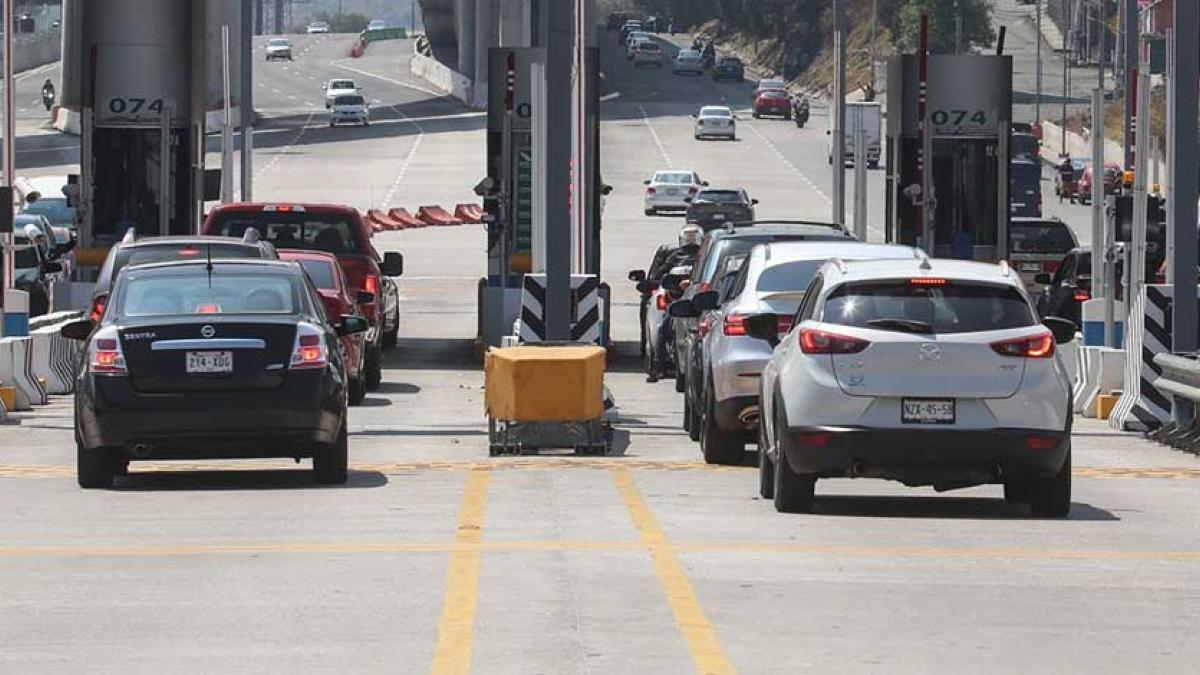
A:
(348, 100)
(788, 277)
(1041, 237)
(957, 307)
(329, 232)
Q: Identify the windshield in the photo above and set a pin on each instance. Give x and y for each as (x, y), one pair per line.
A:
(958, 307)
(200, 293)
(278, 43)
(673, 178)
(341, 84)
(721, 197)
(1041, 237)
(348, 100)
(321, 273)
(306, 231)
(788, 277)
(715, 112)
(55, 210)
(168, 252)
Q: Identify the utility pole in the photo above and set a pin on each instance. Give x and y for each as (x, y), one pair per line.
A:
(1185, 184)
(925, 154)
(871, 47)
(1037, 98)
(246, 101)
(837, 138)
(958, 27)
(6, 256)
(226, 121)
(1130, 42)
(556, 169)
(1101, 246)
(1066, 94)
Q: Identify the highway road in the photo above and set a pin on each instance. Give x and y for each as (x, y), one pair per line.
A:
(434, 558)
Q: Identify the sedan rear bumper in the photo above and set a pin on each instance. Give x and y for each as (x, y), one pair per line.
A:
(924, 456)
(286, 422)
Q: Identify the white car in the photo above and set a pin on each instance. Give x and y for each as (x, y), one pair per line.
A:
(336, 88)
(317, 27)
(377, 24)
(688, 61)
(350, 109)
(772, 279)
(928, 372)
(632, 41)
(670, 190)
(279, 48)
(716, 121)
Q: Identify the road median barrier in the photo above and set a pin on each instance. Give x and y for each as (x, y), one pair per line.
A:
(1102, 371)
(16, 369)
(436, 216)
(471, 214)
(1180, 378)
(405, 218)
(384, 220)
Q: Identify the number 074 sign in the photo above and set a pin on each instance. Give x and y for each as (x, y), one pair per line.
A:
(135, 109)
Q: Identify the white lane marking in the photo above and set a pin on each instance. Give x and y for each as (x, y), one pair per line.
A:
(662, 150)
(292, 96)
(787, 162)
(406, 85)
(412, 152)
(611, 97)
(284, 150)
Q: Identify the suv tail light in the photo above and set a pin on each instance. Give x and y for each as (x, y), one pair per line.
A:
(651, 190)
(662, 302)
(1039, 346)
(99, 303)
(785, 322)
(371, 283)
(735, 324)
(310, 350)
(104, 354)
(822, 342)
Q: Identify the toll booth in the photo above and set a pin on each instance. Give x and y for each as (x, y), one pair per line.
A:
(969, 112)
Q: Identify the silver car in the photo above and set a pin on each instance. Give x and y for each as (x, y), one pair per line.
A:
(689, 61)
(716, 121)
(772, 280)
(928, 372)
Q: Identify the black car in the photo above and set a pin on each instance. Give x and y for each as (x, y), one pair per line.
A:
(714, 207)
(713, 264)
(1024, 146)
(206, 360)
(133, 251)
(1025, 189)
(729, 68)
(1068, 288)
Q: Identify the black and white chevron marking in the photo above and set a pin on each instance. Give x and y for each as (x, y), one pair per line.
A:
(585, 308)
(1147, 332)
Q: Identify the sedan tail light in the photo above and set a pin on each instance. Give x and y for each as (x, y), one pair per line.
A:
(1039, 346)
(735, 324)
(822, 342)
(651, 191)
(310, 350)
(662, 302)
(104, 354)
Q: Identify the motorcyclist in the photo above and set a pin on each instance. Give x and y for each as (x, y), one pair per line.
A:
(48, 93)
(1066, 179)
(709, 55)
(800, 110)
(682, 256)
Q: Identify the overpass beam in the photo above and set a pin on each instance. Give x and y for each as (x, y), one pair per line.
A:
(487, 35)
(464, 20)
(513, 21)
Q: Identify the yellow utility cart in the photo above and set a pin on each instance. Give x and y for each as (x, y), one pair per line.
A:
(544, 396)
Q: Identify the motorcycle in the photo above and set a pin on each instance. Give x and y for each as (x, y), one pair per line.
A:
(800, 112)
(48, 99)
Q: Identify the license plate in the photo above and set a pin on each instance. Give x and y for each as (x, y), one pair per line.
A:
(672, 192)
(209, 362)
(927, 411)
(718, 216)
(1031, 267)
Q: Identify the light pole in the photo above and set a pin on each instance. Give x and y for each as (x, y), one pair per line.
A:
(1037, 99)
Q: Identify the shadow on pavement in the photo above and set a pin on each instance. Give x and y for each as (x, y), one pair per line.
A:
(262, 479)
(942, 507)
(433, 354)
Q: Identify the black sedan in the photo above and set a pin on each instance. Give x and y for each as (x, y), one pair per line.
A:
(714, 208)
(211, 360)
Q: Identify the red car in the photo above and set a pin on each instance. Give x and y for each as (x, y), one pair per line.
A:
(338, 230)
(340, 300)
(1112, 180)
(773, 102)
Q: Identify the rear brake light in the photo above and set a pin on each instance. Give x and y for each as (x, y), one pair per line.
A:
(662, 302)
(1039, 346)
(735, 324)
(1041, 442)
(104, 354)
(371, 283)
(283, 208)
(785, 323)
(822, 342)
(188, 252)
(927, 281)
(208, 309)
(98, 305)
(704, 326)
(310, 350)
(651, 191)
(1051, 266)
(1082, 296)
(814, 438)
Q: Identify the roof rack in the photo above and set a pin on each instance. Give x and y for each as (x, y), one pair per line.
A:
(1005, 269)
(130, 236)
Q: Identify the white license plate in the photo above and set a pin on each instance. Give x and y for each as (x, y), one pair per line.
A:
(672, 192)
(209, 362)
(718, 216)
(1031, 267)
(927, 411)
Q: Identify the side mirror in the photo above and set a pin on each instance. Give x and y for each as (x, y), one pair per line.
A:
(1063, 329)
(683, 309)
(688, 200)
(52, 267)
(646, 287)
(365, 298)
(705, 184)
(393, 264)
(637, 275)
(645, 182)
(753, 202)
(352, 325)
(763, 327)
(77, 330)
(324, 86)
(706, 301)
(1042, 278)
(672, 283)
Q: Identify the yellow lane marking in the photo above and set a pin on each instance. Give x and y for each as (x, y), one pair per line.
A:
(513, 464)
(697, 630)
(749, 547)
(456, 628)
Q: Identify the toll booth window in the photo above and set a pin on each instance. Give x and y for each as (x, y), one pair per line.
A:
(294, 230)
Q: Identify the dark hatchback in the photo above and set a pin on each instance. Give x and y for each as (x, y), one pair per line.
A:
(233, 359)
(713, 208)
(729, 68)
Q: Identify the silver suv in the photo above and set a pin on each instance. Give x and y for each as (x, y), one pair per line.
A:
(772, 280)
(927, 372)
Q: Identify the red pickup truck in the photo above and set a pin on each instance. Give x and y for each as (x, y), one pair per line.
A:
(339, 230)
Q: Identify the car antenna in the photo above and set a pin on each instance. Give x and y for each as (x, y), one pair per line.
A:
(208, 267)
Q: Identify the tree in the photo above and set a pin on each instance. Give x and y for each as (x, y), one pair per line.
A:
(977, 24)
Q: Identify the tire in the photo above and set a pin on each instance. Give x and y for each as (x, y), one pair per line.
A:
(373, 368)
(757, 116)
(687, 416)
(651, 212)
(330, 462)
(766, 468)
(1051, 497)
(719, 446)
(1016, 492)
(93, 467)
(391, 337)
(680, 382)
(794, 492)
(787, 116)
(357, 390)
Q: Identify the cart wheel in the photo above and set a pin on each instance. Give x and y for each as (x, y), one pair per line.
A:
(494, 450)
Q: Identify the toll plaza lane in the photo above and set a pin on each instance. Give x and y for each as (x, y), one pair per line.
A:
(435, 558)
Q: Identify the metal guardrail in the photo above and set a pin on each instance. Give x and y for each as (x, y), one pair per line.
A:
(375, 35)
(1180, 377)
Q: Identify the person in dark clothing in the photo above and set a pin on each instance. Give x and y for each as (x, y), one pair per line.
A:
(1066, 179)
(683, 255)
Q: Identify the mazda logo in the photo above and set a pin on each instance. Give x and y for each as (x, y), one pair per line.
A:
(207, 332)
(929, 352)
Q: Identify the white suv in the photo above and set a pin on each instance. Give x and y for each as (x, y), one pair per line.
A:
(928, 372)
(339, 87)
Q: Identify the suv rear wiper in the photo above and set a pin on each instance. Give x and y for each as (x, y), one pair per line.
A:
(902, 325)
